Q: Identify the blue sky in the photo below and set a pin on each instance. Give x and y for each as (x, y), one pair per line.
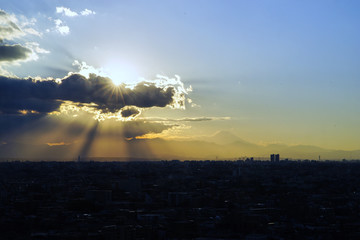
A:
(279, 71)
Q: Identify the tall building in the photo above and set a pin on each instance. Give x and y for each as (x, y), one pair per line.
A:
(275, 157)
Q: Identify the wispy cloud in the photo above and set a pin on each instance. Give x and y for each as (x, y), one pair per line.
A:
(193, 119)
(12, 26)
(35, 47)
(87, 12)
(51, 144)
(69, 13)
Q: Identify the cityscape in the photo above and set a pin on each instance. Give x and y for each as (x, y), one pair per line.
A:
(243, 199)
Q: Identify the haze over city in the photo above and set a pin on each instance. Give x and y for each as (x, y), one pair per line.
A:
(179, 79)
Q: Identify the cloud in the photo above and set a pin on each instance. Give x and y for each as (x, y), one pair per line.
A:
(11, 53)
(130, 112)
(160, 81)
(86, 70)
(201, 119)
(194, 119)
(87, 12)
(17, 52)
(51, 144)
(36, 47)
(4, 72)
(66, 11)
(110, 98)
(11, 27)
(95, 94)
(69, 13)
(134, 129)
(17, 27)
(8, 29)
(61, 28)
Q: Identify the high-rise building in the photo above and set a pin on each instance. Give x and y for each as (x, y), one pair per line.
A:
(275, 157)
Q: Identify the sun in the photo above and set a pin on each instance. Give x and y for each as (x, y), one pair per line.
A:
(122, 74)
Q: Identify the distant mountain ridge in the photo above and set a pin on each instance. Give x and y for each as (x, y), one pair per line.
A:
(222, 145)
(236, 147)
(223, 138)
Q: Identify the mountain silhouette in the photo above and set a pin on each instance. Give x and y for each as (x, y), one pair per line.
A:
(222, 145)
(224, 138)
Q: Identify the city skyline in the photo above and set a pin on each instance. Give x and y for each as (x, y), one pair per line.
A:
(118, 78)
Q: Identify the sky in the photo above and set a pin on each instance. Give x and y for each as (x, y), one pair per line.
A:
(76, 73)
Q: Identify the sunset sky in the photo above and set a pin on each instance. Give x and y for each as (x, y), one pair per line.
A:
(88, 76)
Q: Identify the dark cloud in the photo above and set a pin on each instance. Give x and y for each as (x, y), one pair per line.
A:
(27, 128)
(101, 91)
(14, 52)
(20, 94)
(129, 112)
(132, 129)
(47, 95)
(11, 124)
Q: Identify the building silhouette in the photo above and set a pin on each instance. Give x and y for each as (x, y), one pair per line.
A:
(275, 157)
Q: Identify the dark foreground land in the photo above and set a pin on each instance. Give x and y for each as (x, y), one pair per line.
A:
(180, 200)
